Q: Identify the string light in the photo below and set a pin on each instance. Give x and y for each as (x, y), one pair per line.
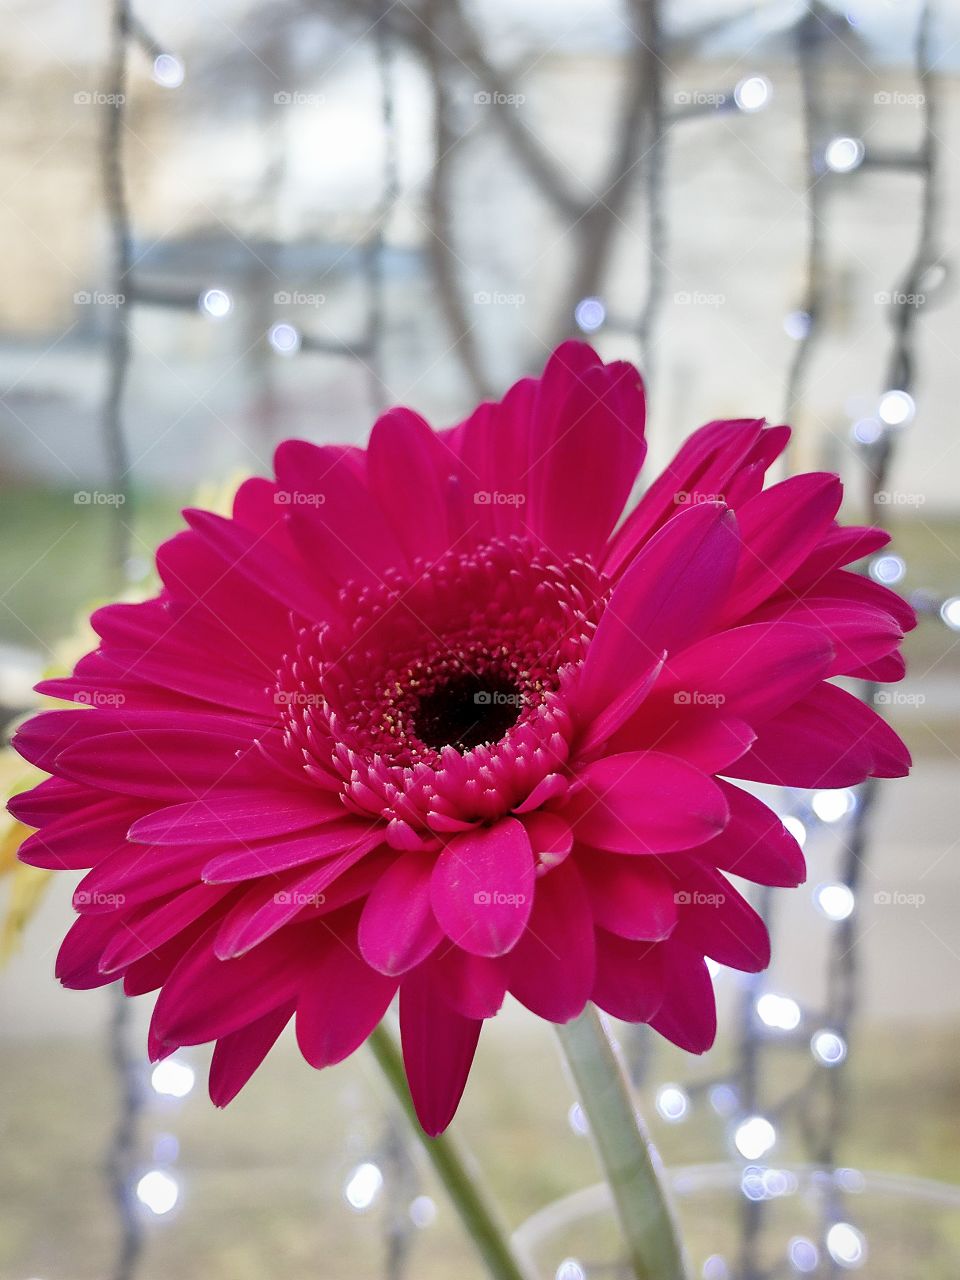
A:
(216, 303)
(888, 569)
(866, 431)
(284, 338)
(715, 1268)
(752, 93)
(570, 1269)
(803, 1255)
(172, 1078)
(723, 1099)
(673, 1102)
(363, 1186)
(168, 70)
(828, 1048)
(896, 408)
(423, 1211)
(850, 1180)
(831, 806)
(754, 1137)
(778, 1012)
(796, 325)
(843, 154)
(836, 900)
(846, 1245)
(158, 1191)
(590, 313)
(950, 613)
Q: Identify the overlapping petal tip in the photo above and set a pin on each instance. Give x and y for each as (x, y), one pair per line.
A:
(432, 721)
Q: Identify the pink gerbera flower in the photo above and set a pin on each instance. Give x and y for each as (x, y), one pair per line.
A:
(423, 719)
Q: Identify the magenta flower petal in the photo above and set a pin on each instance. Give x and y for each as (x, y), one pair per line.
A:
(398, 929)
(632, 897)
(244, 815)
(688, 1012)
(438, 1047)
(553, 965)
(646, 802)
(238, 1054)
(482, 888)
(664, 600)
(341, 1001)
(779, 528)
(630, 980)
(438, 718)
(407, 467)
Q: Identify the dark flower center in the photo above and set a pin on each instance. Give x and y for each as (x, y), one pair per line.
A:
(467, 710)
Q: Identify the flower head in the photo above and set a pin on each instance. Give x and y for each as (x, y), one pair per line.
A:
(426, 719)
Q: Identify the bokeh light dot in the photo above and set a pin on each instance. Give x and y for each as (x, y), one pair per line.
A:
(216, 303)
(779, 1012)
(363, 1186)
(831, 806)
(829, 1048)
(836, 901)
(423, 1211)
(168, 71)
(673, 1102)
(158, 1191)
(752, 93)
(589, 314)
(844, 154)
(846, 1245)
(172, 1078)
(754, 1137)
(570, 1269)
(896, 408)
(803, 1254)
(950, 613)
(796, 325)
(284, 338)
(715, 1268)
(888, 569)
(866, 431)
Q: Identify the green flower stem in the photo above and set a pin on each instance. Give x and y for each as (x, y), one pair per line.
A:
(452, 1163)
(624, 1150)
